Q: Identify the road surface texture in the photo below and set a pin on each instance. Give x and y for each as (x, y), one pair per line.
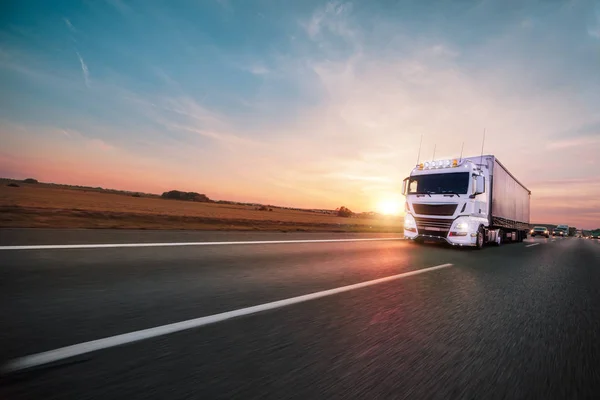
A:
(520, 321)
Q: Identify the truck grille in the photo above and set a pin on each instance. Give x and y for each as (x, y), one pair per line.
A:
(435, 209)
(434, 226)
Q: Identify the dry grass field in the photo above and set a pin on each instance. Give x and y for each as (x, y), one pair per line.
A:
(50, 206)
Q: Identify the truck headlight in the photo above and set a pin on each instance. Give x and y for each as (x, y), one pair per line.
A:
(462, 226)
(409, 223)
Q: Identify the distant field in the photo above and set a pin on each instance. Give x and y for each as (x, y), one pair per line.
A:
(48, 206)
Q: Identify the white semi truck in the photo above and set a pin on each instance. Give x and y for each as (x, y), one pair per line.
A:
(465, 202)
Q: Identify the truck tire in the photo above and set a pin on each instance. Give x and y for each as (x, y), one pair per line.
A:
(480, 238)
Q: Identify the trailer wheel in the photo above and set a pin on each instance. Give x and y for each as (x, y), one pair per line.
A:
(479, 243)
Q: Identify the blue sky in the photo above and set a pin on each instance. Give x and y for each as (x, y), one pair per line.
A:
(306, 103)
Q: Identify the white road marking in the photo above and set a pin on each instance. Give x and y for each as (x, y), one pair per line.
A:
(530, 245)
(117, 245)
(94, 345)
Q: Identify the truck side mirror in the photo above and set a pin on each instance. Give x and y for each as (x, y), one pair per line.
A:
(404, 186)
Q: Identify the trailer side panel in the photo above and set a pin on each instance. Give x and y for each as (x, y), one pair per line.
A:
(510, 200)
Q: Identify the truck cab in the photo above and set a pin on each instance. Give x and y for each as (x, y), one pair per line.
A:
(446, 200)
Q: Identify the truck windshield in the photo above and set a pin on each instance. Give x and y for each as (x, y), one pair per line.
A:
(455, 182)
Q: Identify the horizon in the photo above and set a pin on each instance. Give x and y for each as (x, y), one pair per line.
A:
(312, 105)
(265, 204)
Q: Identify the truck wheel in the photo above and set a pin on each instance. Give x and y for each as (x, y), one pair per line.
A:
(479, 242)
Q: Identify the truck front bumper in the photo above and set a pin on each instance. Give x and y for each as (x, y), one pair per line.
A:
(469, 240)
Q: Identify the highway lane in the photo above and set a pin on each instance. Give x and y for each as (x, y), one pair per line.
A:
(18, 236)
(508, 322)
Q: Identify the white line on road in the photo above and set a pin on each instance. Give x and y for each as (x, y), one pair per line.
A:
(87, 347)
(117, 245)
(530, 245)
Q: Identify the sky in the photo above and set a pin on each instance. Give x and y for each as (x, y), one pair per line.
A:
(302, 103)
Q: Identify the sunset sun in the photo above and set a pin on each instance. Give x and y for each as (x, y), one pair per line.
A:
(389, 207)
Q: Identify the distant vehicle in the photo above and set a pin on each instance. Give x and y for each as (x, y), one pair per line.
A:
(465, 202)
(561, 230)
(595, 235)
(540, 231)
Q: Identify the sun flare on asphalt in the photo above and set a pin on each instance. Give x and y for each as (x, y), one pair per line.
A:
(389, 207)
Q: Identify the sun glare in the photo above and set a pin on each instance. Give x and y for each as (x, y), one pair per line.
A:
(389, 207)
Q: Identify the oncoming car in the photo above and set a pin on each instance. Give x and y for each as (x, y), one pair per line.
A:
(539, 231)
(561, 230)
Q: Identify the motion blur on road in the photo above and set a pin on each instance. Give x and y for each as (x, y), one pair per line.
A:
(519, 321)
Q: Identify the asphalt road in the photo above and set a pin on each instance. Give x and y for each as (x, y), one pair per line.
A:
(514, 322)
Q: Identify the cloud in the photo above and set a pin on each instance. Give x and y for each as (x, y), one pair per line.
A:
(188, 107)
(359, 178)
(333, 19)
(443, 51)
(581, 141)
(527, 23)
(226, 4)
(74, 136)
(84, 70)
(594, 30)
(185, 114)
(69, 25)
(119, 5)
(69, 133)
(100, 144)
(258, 70)
(567, 182)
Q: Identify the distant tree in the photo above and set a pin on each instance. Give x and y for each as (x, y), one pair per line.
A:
(344, 212)
(30, 180)
(186, 196)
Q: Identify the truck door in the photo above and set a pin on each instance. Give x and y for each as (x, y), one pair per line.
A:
(481, 195)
